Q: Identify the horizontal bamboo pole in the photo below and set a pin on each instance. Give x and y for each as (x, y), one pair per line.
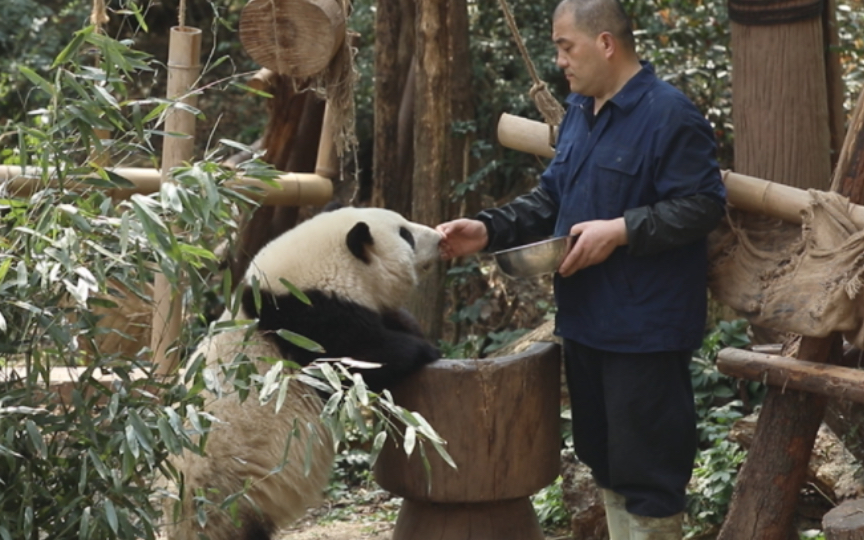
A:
(294, 188)
(744, 192)
(817, 378)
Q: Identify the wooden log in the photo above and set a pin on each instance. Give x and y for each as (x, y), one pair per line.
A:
(501, 428)
(744, 192)
(295, 38)
(794, 374)
(294, 189)
(502, 431)
(845, 522)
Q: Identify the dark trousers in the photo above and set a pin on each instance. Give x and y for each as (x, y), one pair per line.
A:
(634, 424)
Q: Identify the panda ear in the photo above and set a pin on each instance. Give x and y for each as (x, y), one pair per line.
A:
(358, 240)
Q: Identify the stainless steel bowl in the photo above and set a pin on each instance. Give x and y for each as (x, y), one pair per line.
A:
(534, 259)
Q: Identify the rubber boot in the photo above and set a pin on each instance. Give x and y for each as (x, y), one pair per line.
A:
(617, 517)
(650, 528)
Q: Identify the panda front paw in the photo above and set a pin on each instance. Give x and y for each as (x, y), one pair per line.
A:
(428, 353)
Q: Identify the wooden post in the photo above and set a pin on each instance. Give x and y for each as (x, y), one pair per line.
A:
(184, 53)
(845, 522)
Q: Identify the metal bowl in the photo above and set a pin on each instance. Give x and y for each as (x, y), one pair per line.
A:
(534, 259)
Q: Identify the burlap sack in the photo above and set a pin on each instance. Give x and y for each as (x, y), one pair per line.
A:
(801, 279)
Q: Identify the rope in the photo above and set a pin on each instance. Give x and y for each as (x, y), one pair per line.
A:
(181, 16)
(548, 106)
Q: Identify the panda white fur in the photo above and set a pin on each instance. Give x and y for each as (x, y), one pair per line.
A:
(357, 266)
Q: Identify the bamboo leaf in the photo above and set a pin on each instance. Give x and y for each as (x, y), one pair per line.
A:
(111, 514)
(300, 341)
(295, 291)
(38, 80)
(410, 440)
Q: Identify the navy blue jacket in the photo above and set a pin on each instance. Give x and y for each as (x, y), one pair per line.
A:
(649, 156)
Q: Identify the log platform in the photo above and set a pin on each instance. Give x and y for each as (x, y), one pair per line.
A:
(500, 418)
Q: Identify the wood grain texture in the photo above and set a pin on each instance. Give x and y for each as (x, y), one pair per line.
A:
(500, 418)
(793, 374)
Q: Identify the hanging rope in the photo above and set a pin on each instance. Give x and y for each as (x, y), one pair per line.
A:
(181, 16)
(548, 106)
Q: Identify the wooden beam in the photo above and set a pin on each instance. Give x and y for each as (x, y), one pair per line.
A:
(792, 373)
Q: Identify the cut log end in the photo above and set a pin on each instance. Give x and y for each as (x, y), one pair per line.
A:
(296, 38)
(845, 522)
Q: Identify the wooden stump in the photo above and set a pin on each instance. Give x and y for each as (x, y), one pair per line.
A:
(500, 418)
(845, 522)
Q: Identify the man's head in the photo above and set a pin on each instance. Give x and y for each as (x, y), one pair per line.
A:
(595, 45)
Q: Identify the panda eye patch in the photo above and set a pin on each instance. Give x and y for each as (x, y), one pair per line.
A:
(406, 234)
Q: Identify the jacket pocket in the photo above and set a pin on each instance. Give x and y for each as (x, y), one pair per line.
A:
(617, 170)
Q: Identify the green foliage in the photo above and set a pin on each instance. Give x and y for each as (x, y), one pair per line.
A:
(550, 508)
(716, 468)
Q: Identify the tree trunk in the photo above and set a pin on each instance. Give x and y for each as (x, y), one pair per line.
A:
(431, 149)
(394, 46)
(464, 113)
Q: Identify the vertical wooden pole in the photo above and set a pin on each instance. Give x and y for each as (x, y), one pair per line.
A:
(431, 142)
(184, 53)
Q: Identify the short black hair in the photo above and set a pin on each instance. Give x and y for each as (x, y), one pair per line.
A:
(596, 16)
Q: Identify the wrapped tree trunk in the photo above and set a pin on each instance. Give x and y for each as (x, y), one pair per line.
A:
(779, 92)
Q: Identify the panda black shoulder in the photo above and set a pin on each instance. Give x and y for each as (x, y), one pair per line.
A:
(343, 329)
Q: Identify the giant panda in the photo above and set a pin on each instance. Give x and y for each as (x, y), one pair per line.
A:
(356, 266)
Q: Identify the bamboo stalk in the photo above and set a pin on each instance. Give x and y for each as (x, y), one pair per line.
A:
(326, 165)
(295, 189)
(184, 53)
(744, 192)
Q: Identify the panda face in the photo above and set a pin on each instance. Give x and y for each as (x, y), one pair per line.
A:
(370, 256)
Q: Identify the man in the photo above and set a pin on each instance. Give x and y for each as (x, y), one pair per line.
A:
(636, 178)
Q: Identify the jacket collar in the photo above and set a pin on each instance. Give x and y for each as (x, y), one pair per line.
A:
(626, 98)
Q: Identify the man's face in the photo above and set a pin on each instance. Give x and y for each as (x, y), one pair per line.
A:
(581, 57)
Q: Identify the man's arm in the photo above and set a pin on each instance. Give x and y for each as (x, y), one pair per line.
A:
(671, 223)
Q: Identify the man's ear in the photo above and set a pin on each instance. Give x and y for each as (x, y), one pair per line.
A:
(607, 43)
